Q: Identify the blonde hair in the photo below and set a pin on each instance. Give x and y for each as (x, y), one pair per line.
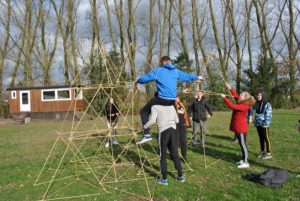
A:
(246, 98)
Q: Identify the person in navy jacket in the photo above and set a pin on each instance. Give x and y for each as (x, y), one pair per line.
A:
(166, 77)
(238, 125)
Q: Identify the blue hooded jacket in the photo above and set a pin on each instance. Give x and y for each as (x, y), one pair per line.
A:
(166, 78)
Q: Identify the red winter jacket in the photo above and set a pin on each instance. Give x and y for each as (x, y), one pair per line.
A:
(238, 120)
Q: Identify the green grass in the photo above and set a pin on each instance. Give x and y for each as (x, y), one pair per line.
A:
(24, 148)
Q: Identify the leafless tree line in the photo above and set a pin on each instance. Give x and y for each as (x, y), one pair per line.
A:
(44, 40)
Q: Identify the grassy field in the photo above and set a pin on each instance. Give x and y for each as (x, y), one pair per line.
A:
(24, 148)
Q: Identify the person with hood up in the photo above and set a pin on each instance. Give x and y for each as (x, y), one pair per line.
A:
(238, 122)
(198, 109)
(262, 122)
(166, 77)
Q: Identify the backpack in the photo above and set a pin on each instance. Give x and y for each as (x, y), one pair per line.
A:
(270, 177)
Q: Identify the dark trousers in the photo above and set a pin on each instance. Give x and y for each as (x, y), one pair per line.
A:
(263, 134)
(168, 140)
(242, 138)
(181, 135)
(146, 110)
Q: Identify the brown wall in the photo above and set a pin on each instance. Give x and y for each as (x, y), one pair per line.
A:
(37, 105)
(14, 104)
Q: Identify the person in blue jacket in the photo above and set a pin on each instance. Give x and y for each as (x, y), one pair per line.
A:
(166, 77)
(262, 121)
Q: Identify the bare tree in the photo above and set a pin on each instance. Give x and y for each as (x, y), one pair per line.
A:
(163, 28)
(110, 26)
(217, 40)
(132, 38)
(170, 26)
(119, 14)
(4, 49)
(238, 62)
(291, 51)
(47, 53)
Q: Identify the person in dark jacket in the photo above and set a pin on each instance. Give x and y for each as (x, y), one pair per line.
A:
(182, 127)
(166, 77)
(198, 110)
(112, 115)
(262, 121)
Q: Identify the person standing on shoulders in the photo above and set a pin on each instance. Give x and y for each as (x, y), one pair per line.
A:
(166, 77)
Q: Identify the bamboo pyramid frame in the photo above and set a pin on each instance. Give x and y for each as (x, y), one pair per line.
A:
(80, 158)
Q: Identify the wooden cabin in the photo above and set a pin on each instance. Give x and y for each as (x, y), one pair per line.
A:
(44, 102)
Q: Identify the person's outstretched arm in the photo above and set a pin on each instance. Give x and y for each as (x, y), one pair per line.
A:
(150, 76)
(232, 91)
(185, 77)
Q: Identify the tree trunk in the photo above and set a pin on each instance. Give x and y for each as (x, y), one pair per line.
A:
(291, 52)
(182, 35)
(163, 30)
(237, 46)
(216, 35)
(132, 39)
(111, 32)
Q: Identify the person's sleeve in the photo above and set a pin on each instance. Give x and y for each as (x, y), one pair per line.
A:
(268, 115)
(235, 106)
(185, 77)
(235, 95)
(150, 76)
(209, 109)
(152, 119)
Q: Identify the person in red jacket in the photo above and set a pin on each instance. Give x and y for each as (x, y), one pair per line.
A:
(238, 123)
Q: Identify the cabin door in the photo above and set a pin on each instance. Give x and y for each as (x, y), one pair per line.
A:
(25, 101)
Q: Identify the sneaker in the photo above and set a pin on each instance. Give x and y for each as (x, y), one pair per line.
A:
(181, 179)
(163, 182)
(107, 144)
(261, 155)
(115, 142)
(240, 162)
(144, 139)
(243, 165)
(267, 156)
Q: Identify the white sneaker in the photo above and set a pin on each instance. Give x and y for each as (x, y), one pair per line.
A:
(243, 165)
(144, 139)
(107, 144)
(239, 162)
(267, 156)
(115, 142)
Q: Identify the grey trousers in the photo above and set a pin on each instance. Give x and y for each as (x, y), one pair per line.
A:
(201, 125)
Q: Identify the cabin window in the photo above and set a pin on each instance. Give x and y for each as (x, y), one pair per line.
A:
(63, 94)
(56, 94)
(13, 95)
(49, 95)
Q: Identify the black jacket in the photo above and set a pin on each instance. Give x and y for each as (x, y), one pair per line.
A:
(199, 107)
